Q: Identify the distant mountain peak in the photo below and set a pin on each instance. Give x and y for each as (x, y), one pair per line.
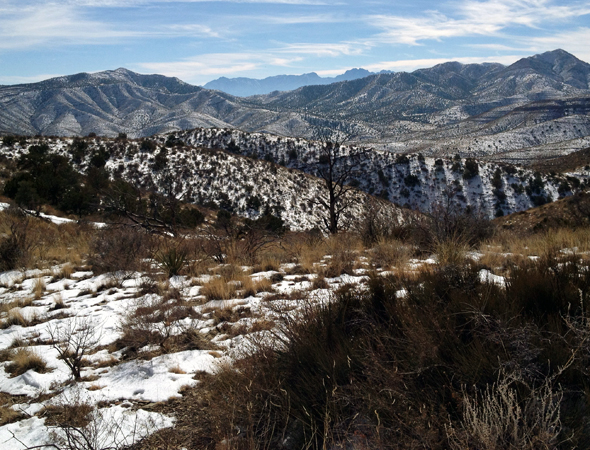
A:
(245, 87)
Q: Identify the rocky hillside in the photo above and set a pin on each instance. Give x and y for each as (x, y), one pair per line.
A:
(216, 178)
(251, 173)
(410, 180)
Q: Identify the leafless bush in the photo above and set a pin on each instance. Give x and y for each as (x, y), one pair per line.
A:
(498, 419)
(119, 249)
(73, 340)
(152, 321)
(449, 226)
(76, 424)
(378, 223)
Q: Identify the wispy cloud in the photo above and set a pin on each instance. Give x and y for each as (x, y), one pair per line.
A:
(53, 23)
(321, 49)
(128, 3)
(574, 41)
(471, 18)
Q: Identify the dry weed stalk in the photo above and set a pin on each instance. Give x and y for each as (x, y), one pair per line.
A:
(497, 419)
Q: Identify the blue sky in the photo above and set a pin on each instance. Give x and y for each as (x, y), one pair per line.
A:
(199, 40)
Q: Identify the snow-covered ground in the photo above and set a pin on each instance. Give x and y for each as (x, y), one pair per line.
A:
(115, 385)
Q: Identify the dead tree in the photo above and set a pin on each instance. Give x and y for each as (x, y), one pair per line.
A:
(338, 165)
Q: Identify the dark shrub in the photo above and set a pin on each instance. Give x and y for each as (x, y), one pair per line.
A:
(395, 369)
(119, 249)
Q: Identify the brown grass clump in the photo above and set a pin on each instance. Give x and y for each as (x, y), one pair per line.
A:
(76, 414)
(23, 360)
(66, 270)
(450, 252)
(176, 369)
(269, 262)
(19, 303)
(391, 253)
(233, 282)
(14, 317)
(7, 413)
(219, 289)
(250, 287)
(39, 288)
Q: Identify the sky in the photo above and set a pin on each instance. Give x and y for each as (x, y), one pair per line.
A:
(198, 41)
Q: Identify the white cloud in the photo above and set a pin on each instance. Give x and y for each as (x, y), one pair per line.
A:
(33, 26)
(573, 41)
(131, 3)
(472, 18)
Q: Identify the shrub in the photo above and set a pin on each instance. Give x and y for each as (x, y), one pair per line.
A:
(15, 248)
(450, 360)
(152, 321)
(118, 249)
(471, 168)
(172, 260)
(411, 180)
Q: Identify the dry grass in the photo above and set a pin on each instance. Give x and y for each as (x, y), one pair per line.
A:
(541, 244)
(14, 317)
(7, 413)
(250, 287)
(391, 253)
(268, 262)
(226, 314)
(450, 252)
(39, 288)
(308, 255)
(19, 303)
(219, 289)
(72, 415)
(53, 244)
(232, 282)
(23, 360)
(262, 325)
(66, 271)
(58, 301)
(176, 369)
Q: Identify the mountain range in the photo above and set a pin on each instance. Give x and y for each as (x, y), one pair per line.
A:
(244, 87)
(538, 106)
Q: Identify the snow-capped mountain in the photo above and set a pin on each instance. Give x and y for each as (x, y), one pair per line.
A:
(537, 106)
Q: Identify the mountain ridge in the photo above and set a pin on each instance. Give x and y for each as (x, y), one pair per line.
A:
(472, 109)
(245, 87)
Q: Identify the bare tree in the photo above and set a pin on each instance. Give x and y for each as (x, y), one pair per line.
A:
(338, 165)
